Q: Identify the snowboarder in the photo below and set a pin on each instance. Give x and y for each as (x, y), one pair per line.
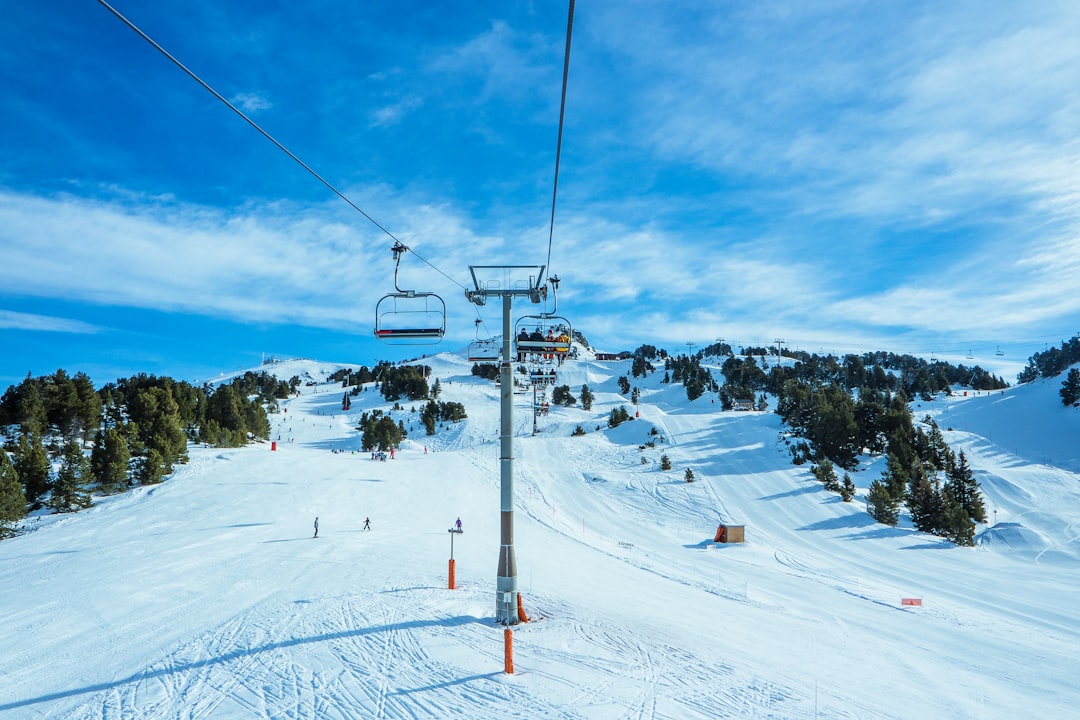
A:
(316, 526)
(367, 523)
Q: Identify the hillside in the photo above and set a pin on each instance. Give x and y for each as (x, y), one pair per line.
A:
(208, 597)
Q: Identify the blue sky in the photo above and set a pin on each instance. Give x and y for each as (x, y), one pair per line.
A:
(847, 176)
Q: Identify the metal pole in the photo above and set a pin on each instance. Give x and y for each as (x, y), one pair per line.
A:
(506, 587)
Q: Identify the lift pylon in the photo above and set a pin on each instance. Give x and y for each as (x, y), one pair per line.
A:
(506, 282)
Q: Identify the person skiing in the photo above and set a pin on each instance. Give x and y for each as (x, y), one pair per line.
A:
(316, 526)
(367, 523)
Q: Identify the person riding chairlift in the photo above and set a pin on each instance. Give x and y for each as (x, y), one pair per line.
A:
(523, 336)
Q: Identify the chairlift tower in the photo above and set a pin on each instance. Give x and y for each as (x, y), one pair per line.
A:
(506, 282)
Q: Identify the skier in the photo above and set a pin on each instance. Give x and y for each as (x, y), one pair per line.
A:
(316, 526)
(367, 523)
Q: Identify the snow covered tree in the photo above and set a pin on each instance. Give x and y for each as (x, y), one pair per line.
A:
(12, 500)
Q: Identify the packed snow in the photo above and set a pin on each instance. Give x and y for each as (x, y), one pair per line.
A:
(207, 596)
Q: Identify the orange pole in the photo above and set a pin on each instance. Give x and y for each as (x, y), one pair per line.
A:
(508, 651)
(451, 573)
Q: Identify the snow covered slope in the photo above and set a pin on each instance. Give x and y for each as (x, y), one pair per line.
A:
(208, 597)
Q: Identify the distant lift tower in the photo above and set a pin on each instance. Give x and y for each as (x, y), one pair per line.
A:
(507, 282)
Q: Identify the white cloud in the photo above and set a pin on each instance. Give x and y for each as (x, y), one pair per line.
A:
(251, 102)
(392, 114)
(11, 320)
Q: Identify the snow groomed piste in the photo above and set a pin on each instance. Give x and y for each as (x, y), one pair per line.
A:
(206, 596)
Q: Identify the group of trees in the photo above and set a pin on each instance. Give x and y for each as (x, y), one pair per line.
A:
(439, 411)
(618, 416)
(136, 430)
(1051, 362)
(687, 369)
(561, 395)
(398, 381)
(825, 473)
(938, 486)
(380, 432)
(837, 423)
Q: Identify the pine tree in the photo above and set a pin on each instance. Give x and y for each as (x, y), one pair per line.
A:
(847, 488)
(69, 487)
(665, 462)
(924, 502)
(12, 500)
(955, 524)
(825, 472)
(109, 461)
(895, 476)
(151, 469)
(881, 505)
(31, 412)
(586, 398)
(688, 475)
(90, 405)
(32, 465)
(965, 488)
(1070, 389)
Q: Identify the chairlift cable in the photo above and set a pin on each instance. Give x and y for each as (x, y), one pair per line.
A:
(267, 135)
(562, 114)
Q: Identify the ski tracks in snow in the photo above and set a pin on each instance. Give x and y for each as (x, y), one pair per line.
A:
(390, 654)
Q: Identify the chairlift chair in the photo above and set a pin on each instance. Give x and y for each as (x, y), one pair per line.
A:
(543, 336)
(484, 349)
(408, 317)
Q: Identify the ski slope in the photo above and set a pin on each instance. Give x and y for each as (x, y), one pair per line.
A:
(207, 596)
